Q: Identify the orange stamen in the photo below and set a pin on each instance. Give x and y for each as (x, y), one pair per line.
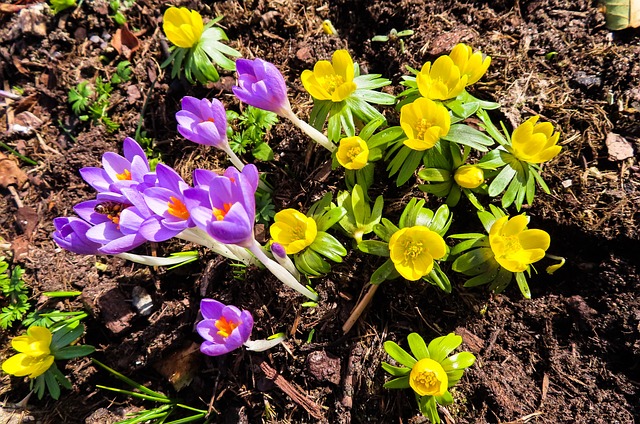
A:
(126, 175)
(177, 208)
(225, 328)
(221, 213)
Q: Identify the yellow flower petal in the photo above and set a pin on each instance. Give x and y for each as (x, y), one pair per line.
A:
(293, 230)
(535, 239)
(343, 64)
(331, 81)
(343, 91)
(514, 246)
(424, 123)
(428, 378)
(413, 249)
(515, 225)
(21, 365)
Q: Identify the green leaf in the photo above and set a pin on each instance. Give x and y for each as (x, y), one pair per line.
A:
(329, 219)
(312, 263)
(385, 137)
(386, 271)
(474, 262)
(445, 399)
(501, 180)
(440, 347)
(467, 136)
(52, 385)
(397, 383)
(437, 189)
(262, 152)
(481, 241)
(71, 352)
(367, 131)
(428, 408)
(418, 346)
(485, 278)
(395, 371)
(385, 229)
(399, 354)
(434, 175)
(65, 336)
(374, 247)
(459, 361)
(328, 246)
(522, 283)
(502, 280)
(439, 278)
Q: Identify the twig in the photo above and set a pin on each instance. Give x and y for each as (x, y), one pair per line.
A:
(357, 311)
(46, 147)
(16, 197)
(292, 391)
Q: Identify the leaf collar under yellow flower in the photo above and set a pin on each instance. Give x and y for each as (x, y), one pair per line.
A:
(428, 378)
(331, 80)
(514, 246)
(535, 142)
(353, 153)
(471, 64)
(413, 250)
(35, 356)
(424, 122)
(183, 27)
(293, 230)
(441, 81)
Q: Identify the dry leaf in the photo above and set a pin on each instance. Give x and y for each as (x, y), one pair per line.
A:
(125, 42)
(10, 173)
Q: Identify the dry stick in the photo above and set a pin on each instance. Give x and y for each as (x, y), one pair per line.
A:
(357, 311)
(293, 392)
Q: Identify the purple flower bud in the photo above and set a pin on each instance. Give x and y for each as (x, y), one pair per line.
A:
(278, 251)
(71, 235)
(203, 121)
(260, 84)
(224, 328)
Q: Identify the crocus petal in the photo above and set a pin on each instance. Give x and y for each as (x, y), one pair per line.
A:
(211, 309)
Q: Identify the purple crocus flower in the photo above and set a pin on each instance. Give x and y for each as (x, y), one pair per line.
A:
(225, 206)
(203, 122)
(167, 202)
(224, 328)
(120, 172)
(260, 84)
(115, 222)
(71, 235)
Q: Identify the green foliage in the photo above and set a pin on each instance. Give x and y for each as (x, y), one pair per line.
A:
(265, 209)
(395, 37)
(157, 415)
(80, 97)
(60, 5)
(14, 290)
(251, 129)
(93, 106)
(360, 218)
(117, 10)
(123, 72)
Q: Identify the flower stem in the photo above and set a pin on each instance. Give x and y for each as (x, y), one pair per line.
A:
(235, 160)
(196, 235)
(153, 260)
(281, 272)
(359, 309)
(315, 135)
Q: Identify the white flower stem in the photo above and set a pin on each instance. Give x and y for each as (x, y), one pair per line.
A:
(315, 135)
(237, 253)
(281, 272)
(235, 160)
(154, 260)
(262, 345)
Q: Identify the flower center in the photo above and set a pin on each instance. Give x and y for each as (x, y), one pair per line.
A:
(126, 175)
(177, 208)
(331, 82)
(511, 244)
(209, 120)
(225, 327)
(429, 380)
(353, 153)
(221, 213)
(413, 249)
(421, 128)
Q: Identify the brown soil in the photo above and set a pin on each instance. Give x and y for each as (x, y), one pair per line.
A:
(571, 354)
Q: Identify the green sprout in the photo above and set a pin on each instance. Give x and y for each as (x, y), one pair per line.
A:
(157, 415)
(360, 219)
(93, 106)
(60, 5)
(428, 370)
(395, 37)
(123, 72)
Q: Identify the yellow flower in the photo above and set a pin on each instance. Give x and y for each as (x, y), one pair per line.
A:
(514, 246)
(413, 249)
(441, 81)
(331, 81)
(471, 64)
(353, 153)
(35, 356)
(469, 176)
(293, 230)
(182, 26)
(424, 122)
(535, 143)
(428, 378)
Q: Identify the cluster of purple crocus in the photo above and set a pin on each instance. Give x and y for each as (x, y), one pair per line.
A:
(135, 204)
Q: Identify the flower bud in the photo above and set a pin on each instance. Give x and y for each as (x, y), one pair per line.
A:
(469, 176)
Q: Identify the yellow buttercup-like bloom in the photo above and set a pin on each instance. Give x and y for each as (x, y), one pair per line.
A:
(413, 250)
(183, 27)
(353, 153)
(424, 122)
(293, 230)
(514, 246)
(428, 378)
(469, 176)
(441, 81)
(331, 80)
(35, 356)
(535, 142)
(471, 64)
